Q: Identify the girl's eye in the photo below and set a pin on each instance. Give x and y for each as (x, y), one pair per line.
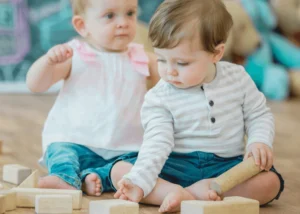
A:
(130, 13)
(183, 63)
(110, 15)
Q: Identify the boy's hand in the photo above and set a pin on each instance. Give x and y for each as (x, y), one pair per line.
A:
(129, 191)
(59, 54)
(263, 155)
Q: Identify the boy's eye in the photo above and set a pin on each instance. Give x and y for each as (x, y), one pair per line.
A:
(110, 15)
(130, 13)
(161, 60)
(182, 63)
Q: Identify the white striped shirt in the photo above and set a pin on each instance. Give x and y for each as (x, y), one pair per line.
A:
(213, 117)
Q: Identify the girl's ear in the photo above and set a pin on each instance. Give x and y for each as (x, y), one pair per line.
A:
(219, 53)
(79, 25)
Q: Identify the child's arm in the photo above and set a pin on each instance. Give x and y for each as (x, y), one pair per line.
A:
(50, 68)
(153, 68)
(157, 145)
(259, 124)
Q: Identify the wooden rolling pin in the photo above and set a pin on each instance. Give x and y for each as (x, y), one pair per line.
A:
(234, 176)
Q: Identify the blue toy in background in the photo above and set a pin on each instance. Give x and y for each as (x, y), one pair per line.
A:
(271, 78)
(14, 31)
(58, 28)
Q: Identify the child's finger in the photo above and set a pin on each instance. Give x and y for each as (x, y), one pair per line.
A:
(117, 194)
(256, 155)
(263, 159)
(127, 183)
(57, 55)
(121, 184)
(246, 156)
(69, 51)
(124, 197)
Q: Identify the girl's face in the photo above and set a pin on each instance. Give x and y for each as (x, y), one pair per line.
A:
(111, 24)
(186, 65)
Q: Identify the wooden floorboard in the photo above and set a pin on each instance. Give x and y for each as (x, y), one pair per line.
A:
(22, 118)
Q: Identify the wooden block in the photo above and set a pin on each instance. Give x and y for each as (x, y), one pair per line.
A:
(26, 196)
(114, 206)
(10, 199)
(234, 176)
(53, 204)
(15, 174)
(31, 181)
(230, 205)
(2, 204)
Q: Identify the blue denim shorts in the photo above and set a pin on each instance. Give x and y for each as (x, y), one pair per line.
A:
(186, 169)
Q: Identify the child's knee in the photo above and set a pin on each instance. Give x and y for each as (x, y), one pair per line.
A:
(118, 171)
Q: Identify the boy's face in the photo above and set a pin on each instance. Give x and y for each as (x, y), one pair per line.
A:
(186, 65)
(111, 24)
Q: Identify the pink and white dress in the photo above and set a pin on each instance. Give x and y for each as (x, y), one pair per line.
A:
(99, 104)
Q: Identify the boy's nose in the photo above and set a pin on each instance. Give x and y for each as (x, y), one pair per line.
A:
(172, 71)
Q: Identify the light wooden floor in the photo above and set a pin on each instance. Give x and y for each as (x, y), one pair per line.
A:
(22, 118)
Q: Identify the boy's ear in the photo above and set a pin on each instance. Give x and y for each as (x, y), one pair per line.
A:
(79, 25)
(220, 49)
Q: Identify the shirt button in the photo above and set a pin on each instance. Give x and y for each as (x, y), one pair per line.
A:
(211, 103)
(213, 120)
(202, 87)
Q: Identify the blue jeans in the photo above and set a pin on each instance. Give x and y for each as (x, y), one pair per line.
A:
(72, 163)
(186, 169)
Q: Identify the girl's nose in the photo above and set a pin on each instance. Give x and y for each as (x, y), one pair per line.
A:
(122, 22)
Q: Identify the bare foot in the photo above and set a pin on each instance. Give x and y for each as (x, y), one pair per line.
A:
(92, 185)
(202, 191)
(53, 182)
(173, 200)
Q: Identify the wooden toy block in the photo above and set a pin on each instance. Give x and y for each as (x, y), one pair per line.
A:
(114, 206)
(53, 204)
(31, 181)
(26, 196)
(15, 174)
(2, 204)
(230, 205)
(10, 199)
(235, 176)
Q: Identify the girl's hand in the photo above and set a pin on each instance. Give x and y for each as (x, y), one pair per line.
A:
(263, 155)
(59, 54)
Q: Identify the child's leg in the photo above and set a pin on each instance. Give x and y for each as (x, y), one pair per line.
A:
(263, 187)
(63, 166)
(166, 194)
(96, 173)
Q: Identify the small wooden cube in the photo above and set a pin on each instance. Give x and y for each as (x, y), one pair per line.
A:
(114, 206)
(53, 204)
(10, 199)
(26, 196)
(230, 205)
(15, 174)
(2, 204)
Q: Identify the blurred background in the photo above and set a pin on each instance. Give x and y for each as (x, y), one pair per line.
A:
(265, 39)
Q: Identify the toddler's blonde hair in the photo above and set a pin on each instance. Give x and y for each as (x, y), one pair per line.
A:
(175, 20)
(79, 6)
